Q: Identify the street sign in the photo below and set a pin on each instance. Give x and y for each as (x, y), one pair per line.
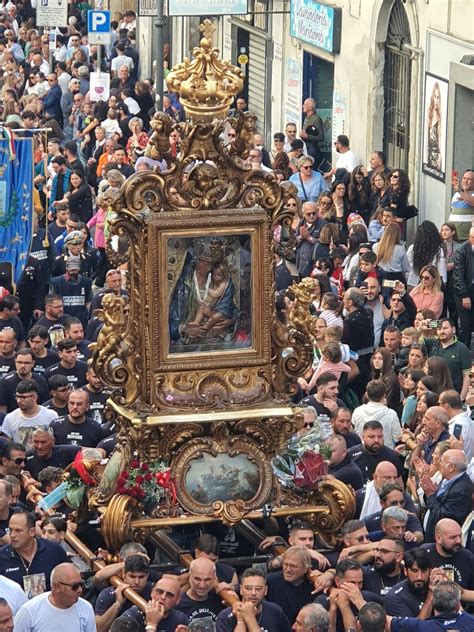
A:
(147, 8)
(98, 27)
(51, 13)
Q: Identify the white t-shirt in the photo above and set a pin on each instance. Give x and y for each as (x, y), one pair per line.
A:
(39, 615)
(12, 592)
(20, 428)
(347, 161)
(119, 61)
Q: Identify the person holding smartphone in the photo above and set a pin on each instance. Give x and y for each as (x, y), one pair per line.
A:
(460, 424)
(462, 203)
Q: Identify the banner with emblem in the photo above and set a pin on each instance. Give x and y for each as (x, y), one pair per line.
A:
(16, 201)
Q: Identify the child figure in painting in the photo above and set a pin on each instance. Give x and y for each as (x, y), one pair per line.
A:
(213, 310)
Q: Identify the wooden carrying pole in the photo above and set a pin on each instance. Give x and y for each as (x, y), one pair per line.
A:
(173, 550)
(94, 562)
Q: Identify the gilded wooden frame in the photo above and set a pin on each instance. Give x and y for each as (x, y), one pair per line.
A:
(233, 222)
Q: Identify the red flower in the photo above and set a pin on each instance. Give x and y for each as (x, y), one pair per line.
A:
(134, 463)
(124, 475)
(139, 479)
(148, 476)
(145, 467)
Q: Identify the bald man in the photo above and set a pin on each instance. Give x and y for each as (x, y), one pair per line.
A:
(161, 610)
(448, 553)
(367, 499)
(201, 600)
(63, 605)
(452, 498)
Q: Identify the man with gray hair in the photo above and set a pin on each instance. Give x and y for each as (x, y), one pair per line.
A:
(452, 498)
(312, 618)
(435, 431)
(307, 235)
(313, 132)
(358, 333)
(372, 618)
(447, 613)
(394, 524)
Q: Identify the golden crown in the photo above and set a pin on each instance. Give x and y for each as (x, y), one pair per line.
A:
(207, 85)
(212, 250)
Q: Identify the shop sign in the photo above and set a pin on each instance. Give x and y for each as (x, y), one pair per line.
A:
(294, 72)
(316, 24)
(206, 7)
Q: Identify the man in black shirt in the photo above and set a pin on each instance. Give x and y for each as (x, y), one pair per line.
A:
(200, 600)
(59, 388)
(75, 331)
(386, 570)
(24, 363)
(406, 599)
(6, 511)
(73, 243)
(448, 553)
(9, 308)
(289, 588)
(341, 466)
(372, 451)
(98, 395)
(45, 454)
(75, 370)
(8, 344)
(38, 338)
(254, 610)
(53, 319)
(325, 400)
(75, 289)
(76, 428)
(13, 458)
(341, 422)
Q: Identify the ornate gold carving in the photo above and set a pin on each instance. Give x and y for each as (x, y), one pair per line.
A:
(198, 454)
(207, 84)
(115, 523)
(340, 502)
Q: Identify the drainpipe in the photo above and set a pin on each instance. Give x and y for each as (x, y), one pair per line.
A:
(419, 55)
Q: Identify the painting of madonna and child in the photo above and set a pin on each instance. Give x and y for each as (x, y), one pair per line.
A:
(210, 290)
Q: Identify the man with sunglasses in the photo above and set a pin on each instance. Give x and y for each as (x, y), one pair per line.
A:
(29, 560)
(160, 612)
(307, 234)
(13, 458)
(61, 608)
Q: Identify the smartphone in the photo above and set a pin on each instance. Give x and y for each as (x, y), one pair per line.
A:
(454, 174)
(388, 283)
(457, 431)
(364, 285)
(433, 324)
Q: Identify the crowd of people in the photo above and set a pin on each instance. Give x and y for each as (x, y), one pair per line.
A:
(391, 374)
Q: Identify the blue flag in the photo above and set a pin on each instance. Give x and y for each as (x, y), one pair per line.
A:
(16, 203)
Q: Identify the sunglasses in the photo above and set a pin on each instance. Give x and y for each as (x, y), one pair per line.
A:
(75, 586)
(19, 460)
(394, 176)
(306, 167)
(311, 213)
(396, 503)
(426, 278)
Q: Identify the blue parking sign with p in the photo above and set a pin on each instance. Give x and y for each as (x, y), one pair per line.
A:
(98, 21)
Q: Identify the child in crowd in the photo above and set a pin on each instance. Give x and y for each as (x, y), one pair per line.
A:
(410, 383)
(331, 309)
(368, 268)
(111, 124)
(337, 276)
(409, 336)
(330, 362)
(376, 227)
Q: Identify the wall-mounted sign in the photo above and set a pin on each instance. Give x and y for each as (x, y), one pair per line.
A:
(316, 24)
(51, 13)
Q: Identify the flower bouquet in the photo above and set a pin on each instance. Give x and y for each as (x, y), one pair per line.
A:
(304, 460)
(150, 484)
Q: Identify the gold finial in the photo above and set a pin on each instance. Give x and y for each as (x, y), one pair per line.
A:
(207, 28)
(206, 84)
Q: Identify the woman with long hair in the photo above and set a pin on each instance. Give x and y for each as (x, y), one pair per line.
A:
(281, 163)
(359, 194)
(382, 369)
(422, 319)
(427, 294)
(340, 200)
(328, 239)
(379, 195)
(427, 383)
(79, 196)
(438, 369)
(427, 248)
(398, 191)
(433, 123)
(321, 285)
(325, 205)
(411, 380)
(391, 255)
(356, 239)
(449, 235)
